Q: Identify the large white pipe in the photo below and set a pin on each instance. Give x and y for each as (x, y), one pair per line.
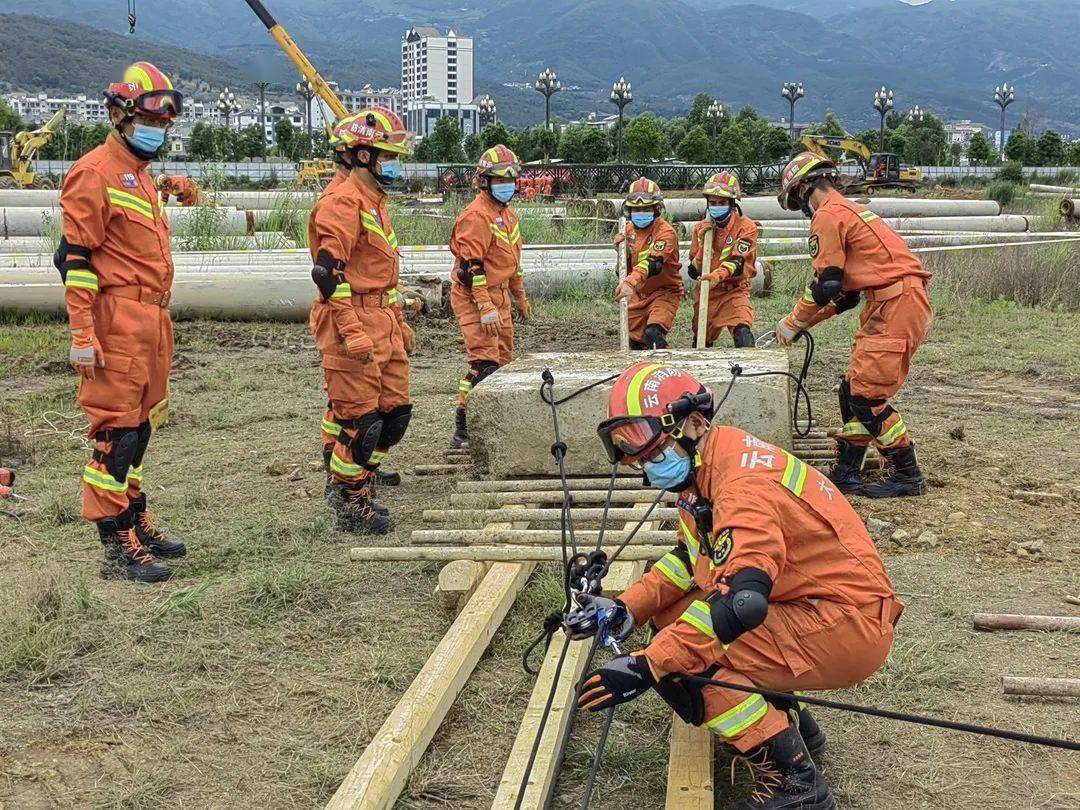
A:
(39, 221)
(1070, 208)
(1005, 223)
(767, 208)
(1055, 189)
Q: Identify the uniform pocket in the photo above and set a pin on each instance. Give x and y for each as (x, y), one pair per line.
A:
(116, 388)
(880, 360)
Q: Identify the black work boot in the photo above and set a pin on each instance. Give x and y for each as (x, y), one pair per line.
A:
(785, 777)
(332, 494)
(905, 477)
(811, 732)
(125, 555)
(355, 509)
(156, 541)
(846, 473)
(461, 430)
(388, 477)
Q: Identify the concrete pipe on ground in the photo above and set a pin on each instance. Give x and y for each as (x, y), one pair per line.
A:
(1070, 208)
(1055, 189)
(1004, 223)
(40, 221)
(767, 208)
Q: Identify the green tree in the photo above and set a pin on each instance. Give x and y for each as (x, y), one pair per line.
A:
(645, 138)
(251, 143)
(923, 141)
(227, 142)
(732, 144)
(284, 137)
(473, 146)
(497, 133)
(1049, 149)
(9, 119)
(979, 150)
(695, 147)
(534, 143)
(202, 145)
(747, 115)
(581, 143)
(675, 129)
(1018, 147)
(1072, 156)
(767, 142)
(697, 117)
(443, 145)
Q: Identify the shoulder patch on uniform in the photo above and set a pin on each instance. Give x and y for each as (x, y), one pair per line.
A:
(743, 246)
(129, 181)
(815, 246)
(721, 546)
(659, 244)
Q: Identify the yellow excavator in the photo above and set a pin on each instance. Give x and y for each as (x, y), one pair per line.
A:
(876, 170)
(17, 154)
(310, 173)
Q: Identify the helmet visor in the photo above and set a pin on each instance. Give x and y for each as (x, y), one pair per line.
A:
(160, 103)
(626, 438)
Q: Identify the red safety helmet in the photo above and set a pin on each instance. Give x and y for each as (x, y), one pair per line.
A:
(499, 161)
(804, 168)
(644, 193)
(371, 128)
(648, 403)
(723, 184)
(147, 91)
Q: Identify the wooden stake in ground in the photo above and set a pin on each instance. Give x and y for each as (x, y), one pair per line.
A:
(1007, 621)
(703, 287)
(1042, 687)
(690, 767)
(624, 304)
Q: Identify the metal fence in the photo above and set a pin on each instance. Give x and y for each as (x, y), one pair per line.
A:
(254, 171)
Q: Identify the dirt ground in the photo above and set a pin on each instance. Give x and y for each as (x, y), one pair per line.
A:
(256, 677)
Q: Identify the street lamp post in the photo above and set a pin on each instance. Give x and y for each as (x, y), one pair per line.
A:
(227, 104)
(547, 83)
(622, 93)
(792, 91)
(262, 111)
(883, 102)
(915, 114)
(488, 111)
(715, 112)
(1003, 97)
(305, 90)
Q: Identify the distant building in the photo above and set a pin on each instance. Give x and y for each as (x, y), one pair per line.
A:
(368, 96)
(598, 120)
(38, 107)
(437, 79)
(421, 116)
(961, 131)
(784, 124)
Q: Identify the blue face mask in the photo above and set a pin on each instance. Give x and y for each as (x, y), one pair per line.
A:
(390, 169)
(504, 192)
(147, 141)
(642, 219)
(719, 212)
(670, 473)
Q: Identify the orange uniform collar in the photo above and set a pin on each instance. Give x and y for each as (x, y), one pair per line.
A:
(119, 150)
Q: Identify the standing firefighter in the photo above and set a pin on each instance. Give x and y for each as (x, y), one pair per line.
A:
(653, 285)
(774, 583)
(359, 327)
(117, 268)
(486, 243)
(853, 251)
(734, 259)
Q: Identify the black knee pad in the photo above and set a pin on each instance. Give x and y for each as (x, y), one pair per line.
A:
(655, 336)
(480, 370)
(743, 337)
(145, 430)
(863, 410)
(361, 436)
(684, 698)
(125, 444)
(395, 422)
(845, 401)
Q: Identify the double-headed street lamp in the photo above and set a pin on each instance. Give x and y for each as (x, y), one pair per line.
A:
(488, 111)
(883, 102)
(715, 112)
(547, 83)
(621, 94)
(1003, 97)
(792, 91)
(226, 102)
(306, 91)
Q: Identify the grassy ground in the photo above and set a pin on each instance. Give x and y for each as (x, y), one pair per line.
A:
(259, 673)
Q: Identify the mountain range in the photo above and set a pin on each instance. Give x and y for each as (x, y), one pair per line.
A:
(944, 55)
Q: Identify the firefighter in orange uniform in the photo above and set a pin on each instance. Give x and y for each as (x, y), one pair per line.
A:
(186, 190)
(486, 243)
(854, 252)
(734, 262)
(117, 268)
(774, 583)
(359, 326)
(653, 284)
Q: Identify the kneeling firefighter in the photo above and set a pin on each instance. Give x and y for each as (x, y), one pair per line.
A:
(774, 583)
(486, 243)
(855, 252)
(358, 324)
(653, 285)
(116, 264)
(734, 262)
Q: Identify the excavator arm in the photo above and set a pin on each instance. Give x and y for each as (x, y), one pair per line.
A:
(26, 144)
(818, 143)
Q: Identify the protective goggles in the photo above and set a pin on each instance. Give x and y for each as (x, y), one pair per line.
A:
(627, 439)
(155, 103)
(642, 199)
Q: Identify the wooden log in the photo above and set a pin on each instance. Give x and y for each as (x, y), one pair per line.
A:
(493, 553)
(529, 537)
(377, 778)
(457, 582)
(436, 469)
(690, 767)
(1009, 621)
(482, 517)
(550, 484)
(1043, 687)
(490, 500)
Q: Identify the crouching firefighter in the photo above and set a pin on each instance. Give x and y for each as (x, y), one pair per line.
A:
(854, 252)
(486, 243)
(774, 583)
(117, 268)
(653, 285)
(359, 326)
(734, 262)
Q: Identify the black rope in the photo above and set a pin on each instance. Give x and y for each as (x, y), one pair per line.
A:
(543, 724)
(552, 622)
(578, 392)
(800, 386)
(590, 783)
(922, 720)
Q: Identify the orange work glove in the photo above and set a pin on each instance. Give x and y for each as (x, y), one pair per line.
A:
(408, 337)
(358, 346)
(489, 318)
(787, 329)
(525, 308)
(618, 240)
(85, 352)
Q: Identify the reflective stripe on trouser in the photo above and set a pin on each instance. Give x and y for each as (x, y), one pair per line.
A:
(739, 718)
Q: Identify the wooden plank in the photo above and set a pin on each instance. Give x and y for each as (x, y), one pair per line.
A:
(378, 777)
(1007, 621)
(457, 582)
(492, 553)
(549, 484)
(528, 537)
(622, 270)
(482, 517)
(690, 767)
(703, 287)
(493, 500)
(1043, 687)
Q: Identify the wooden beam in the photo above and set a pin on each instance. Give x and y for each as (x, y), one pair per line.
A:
(457, 582)
(490, 500)
(482, 517)
(492, 553)
(378, 777)
(1008, 621)
(549, 484)
(1043, 687)
(690, 767)
(533, 537)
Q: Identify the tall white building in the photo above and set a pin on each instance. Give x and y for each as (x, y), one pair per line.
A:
(368, 96)
(961, 131)
(437, 80)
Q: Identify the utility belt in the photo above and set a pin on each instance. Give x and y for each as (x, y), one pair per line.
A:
(144, 295)
(894, 290)
(383, 300)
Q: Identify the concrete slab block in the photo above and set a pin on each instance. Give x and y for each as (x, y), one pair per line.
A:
(510, 426)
